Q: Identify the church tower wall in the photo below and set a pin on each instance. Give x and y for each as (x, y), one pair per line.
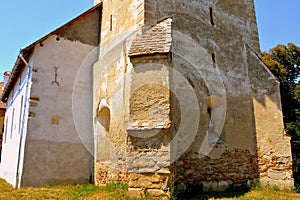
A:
(211, 132)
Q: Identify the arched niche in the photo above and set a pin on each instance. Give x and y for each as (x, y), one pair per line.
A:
(103, 117)
(103, 144)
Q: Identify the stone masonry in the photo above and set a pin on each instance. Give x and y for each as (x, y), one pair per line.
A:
(183, 101)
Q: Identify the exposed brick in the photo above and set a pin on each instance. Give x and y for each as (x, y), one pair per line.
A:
(35, 98)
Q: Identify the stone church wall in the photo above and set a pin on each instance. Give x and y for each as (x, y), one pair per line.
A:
(214, 137)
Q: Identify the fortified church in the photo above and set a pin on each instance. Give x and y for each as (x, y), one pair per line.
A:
(161, 94)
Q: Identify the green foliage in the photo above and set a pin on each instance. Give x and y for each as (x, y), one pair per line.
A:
(49, 192)
(174, 194)
(118, 190)
(297, 188)
(111, 186)
(296, 163)
(275, 187)
(284, 63)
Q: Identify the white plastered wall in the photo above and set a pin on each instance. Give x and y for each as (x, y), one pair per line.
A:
(15, 130)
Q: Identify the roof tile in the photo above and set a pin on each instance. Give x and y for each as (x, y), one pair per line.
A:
(157, 39)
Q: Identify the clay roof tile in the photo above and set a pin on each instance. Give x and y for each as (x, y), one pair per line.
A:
(157, 39)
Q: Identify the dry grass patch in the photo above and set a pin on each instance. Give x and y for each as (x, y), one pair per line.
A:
(52, 192)
(118, 191)
(271, 193)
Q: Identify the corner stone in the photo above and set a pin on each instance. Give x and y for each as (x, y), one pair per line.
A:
(156, 193)
(135, 193)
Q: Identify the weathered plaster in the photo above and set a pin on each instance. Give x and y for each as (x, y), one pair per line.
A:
(178, 98)
(209, 56)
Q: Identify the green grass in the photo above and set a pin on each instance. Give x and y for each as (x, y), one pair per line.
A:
(51, 192)
(118, 191)
(255, 193)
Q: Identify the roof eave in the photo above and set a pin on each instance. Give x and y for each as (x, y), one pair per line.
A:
(16, 71)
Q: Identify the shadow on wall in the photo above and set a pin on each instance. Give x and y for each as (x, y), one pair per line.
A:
(103, 118)
(263, 82)
(225, 166)
(103, 124)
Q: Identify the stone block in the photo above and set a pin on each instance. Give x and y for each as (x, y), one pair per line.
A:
(222, 186)
(140, 164)
(164, 171)
(154, 178)
(210, 186)
(134, 176)
(152, 181)
(282, 184)
(135, 193)
(277, 175)
(156, 193)
(142, 183)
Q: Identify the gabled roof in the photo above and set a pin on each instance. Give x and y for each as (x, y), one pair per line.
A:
(157, 39)
(27, 52)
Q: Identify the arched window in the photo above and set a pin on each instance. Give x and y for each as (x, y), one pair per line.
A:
(102, 132)
(103, 118)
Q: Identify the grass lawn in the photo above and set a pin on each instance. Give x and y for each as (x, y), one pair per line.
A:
(54, 192)
(253, 194)
(119, 192)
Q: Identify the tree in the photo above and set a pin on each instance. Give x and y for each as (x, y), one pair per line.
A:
(284, 63)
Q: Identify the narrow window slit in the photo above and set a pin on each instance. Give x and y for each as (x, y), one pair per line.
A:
(111, 20)
(213, 57)
(211, 16)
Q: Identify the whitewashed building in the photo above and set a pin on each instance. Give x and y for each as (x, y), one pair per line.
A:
(44, 142)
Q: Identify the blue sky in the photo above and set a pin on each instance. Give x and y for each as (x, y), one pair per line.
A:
(278, 22)
(26, 21)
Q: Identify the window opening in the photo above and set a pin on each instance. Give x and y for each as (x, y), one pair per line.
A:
(104, 118)
(211, 16)
(213, 57)
(110, 23)
(103, 146)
